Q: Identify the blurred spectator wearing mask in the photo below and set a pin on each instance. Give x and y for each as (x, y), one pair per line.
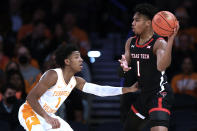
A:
(15, 78)
(28, 71)
(37, 42)
(186, 81)
(9, 107)
(33, 61)
(27, 29)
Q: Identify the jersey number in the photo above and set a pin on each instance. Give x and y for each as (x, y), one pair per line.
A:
(138, 68)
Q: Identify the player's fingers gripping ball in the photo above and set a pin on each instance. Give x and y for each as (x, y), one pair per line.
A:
(164, 23)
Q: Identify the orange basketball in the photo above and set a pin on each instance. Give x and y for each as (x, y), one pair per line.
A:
(163, 23)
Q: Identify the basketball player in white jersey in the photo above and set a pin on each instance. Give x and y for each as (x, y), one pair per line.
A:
(37, 113)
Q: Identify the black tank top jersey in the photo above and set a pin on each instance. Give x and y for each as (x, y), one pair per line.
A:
(144, 63)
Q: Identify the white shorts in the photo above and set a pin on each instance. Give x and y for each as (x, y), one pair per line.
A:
(34, 122)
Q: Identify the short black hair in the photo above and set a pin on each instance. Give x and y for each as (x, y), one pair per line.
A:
(146, 9)
(63, 52)
(7, 86)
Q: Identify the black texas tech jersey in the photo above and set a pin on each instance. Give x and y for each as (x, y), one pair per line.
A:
(144, 63)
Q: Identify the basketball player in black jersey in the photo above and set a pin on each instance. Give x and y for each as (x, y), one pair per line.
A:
(149, 55)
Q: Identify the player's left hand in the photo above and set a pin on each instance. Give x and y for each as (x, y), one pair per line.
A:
(124, 64)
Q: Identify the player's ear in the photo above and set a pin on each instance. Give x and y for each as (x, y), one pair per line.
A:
(67, 61)
(148, 22)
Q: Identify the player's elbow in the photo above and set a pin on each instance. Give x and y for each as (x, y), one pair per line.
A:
(162, 67)
(28, 98)
(31, 97)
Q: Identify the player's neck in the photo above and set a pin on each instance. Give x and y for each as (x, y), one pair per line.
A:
(67, 74)
(145, 36)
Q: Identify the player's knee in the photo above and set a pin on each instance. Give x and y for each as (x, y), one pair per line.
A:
(159, 118)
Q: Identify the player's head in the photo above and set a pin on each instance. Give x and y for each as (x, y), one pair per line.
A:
(69, 55)
(142, 19)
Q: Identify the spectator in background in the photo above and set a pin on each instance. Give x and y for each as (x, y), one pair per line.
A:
(39, 14)
(15, 78)
(9, 107)
(186, 81)
(15, 14)
(28, 71)
(59, 37)
(37, 42)
(76, 35)
(33, 61)
(57, 8)
(12, 65)
(186, 25)
(184, 47)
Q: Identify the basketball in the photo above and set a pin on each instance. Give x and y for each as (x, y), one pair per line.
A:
(163, 23)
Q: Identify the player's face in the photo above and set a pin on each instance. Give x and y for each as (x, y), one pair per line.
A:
(139, 24)
(76, 61)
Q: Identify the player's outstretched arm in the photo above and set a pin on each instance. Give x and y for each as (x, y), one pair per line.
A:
(48, 80)
(163, 51)
(103, 90)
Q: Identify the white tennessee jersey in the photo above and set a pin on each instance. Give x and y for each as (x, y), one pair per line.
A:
(53, 98)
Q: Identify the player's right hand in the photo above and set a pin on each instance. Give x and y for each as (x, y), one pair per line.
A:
(175, 31)
(124, 63)
(54, 122)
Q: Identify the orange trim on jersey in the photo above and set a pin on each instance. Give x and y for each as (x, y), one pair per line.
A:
(141, 46)
(29, 116)
(159, 108)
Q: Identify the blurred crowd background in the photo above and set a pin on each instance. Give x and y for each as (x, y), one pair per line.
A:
(32, 30)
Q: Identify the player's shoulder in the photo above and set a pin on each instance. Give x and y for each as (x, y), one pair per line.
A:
(131, 38)
(79, 82)
(50, 75)
(79, 79)
(160, 42)
(159, 38)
